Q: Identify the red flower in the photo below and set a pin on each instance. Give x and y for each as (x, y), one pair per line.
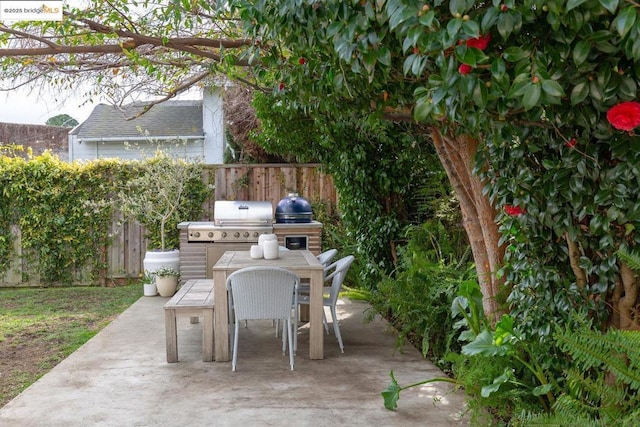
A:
(571, 143)
(624, 116)
(281, 86)
(302, 61)
(465, 69)
(480, 42)
(513, 210)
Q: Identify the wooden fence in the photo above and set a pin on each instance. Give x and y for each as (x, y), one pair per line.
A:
(269, 182)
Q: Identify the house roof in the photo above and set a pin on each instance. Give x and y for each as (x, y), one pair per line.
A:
(171, 118)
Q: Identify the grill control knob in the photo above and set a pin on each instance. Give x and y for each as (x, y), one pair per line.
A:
(236, 234)
(245, 234)
(256, 234)
(196, 234)
(224, 234)
(210, 234)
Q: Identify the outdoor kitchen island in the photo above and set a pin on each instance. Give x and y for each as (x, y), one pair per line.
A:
(236, 226)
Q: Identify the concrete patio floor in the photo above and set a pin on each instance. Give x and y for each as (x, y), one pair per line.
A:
(121, 378)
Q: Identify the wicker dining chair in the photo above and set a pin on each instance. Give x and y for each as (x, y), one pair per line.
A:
(263, 293)
(336, 274)
(325, 259)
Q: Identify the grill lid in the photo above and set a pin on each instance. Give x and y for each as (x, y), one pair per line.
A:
(234, 213)
(293, 209)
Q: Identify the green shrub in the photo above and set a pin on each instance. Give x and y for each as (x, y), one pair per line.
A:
(417, 298)
(64, 212)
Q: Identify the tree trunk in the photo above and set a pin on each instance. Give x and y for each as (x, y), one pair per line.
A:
(457, 157)
(628, 302)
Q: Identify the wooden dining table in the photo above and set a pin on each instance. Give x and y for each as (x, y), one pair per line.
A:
(301, 262)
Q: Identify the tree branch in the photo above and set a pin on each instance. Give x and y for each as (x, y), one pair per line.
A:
(574, 261)
(175, 91)
(193, 45)
(22, 34)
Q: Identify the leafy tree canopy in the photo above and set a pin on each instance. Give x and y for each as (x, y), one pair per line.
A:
(62, 120)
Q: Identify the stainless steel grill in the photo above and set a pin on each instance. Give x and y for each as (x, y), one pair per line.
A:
(234, 221)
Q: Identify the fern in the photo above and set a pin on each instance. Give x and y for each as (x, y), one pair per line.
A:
(632, 259)
(589, 397)
(618, 351)
(527, 419)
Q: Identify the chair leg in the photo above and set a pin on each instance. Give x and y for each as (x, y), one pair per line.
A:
(284, 337)
(235, 347)
(336, 328)
(324, 321)
(290, 343)
(295, 329)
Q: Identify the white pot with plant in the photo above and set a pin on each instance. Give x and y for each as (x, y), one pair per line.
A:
(166, 281)
(149, 285)
(153, 198)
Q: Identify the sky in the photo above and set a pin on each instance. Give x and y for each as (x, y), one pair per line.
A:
(20, 106)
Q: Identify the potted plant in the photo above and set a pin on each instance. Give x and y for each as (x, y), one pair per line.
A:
(163, 190)
(166, 281)
(149, 284)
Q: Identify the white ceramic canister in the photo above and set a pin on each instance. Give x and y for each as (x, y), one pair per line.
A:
(264, 237)
(256, 252)
(271, 249)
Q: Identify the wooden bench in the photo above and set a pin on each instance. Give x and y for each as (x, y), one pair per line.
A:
(195, 298)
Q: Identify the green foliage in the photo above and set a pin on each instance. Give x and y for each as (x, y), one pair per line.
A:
(416, 299)
(46, 198)
(537, 95)
(586, 194)
(631, 258)
(63, 220)
(523, 374)
(602, 384)
(474, 372)
(62, 120)
(468, 305)
(377, 168)
(392, 393)
(164, 271)
(148, 278)
(582, 375)
(617, 351)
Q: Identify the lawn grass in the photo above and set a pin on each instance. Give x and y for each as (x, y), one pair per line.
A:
(39, 327)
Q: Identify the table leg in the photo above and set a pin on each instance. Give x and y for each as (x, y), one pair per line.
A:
(171, 332)
(207, 335)
(316, 333)
(221, 317)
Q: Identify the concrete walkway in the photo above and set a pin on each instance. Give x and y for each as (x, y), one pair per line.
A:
(121, 378)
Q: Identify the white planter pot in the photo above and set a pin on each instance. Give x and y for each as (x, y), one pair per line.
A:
(153, 260)
(166, 285)
(150, 289)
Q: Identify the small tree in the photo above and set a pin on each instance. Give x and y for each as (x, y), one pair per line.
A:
(155, 197)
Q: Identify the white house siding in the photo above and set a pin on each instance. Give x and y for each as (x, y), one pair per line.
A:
(90, 150)
(213, 126)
